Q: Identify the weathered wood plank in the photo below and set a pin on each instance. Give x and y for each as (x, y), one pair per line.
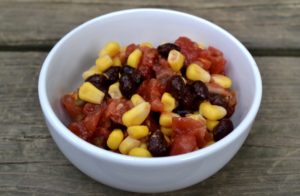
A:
(258, 24)
(30, 163)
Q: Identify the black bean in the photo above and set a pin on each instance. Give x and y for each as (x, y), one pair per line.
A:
(126, 69)
(99, 81)
(155, 115)
(183, 70)
(224, 127)
(217, 99)
(115, 125)
(112, 74)
(182, 111)
(176, 86)
(187, 101)
(164, 49)
(199, 90)
(157, 144)
(127, 86)
(137, 77)
(230, 110)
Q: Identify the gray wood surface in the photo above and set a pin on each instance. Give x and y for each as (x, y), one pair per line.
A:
(267, 24)
(267, 164)
(30, 163)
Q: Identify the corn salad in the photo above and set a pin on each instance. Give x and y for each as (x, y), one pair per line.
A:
(145, 101)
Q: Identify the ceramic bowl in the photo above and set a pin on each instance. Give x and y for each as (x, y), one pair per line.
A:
(77, 51)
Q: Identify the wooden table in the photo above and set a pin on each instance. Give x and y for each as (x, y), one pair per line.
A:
(267, 164)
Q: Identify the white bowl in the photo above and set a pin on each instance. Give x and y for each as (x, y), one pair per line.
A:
(75, 52)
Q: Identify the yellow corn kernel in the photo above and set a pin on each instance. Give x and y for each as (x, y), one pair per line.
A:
(168, 101)
(127, 144)
(139, 152)
(136, 115)
(146, 45)
(222, 80)
(143, 145)
(134, 58)
(165, 119)
(136, 99)
(166, 131)
(196, 72)
(138, 131)
(212, 112)
(201, 46)
(111, 49)
(89, 93)
(211, 124)
(114, 139)
(91, 71)
(103, 63)
(114, 91)
(195, 116)
(117, 61)
(176, 60)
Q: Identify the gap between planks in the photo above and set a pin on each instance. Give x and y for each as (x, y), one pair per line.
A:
(254, 51)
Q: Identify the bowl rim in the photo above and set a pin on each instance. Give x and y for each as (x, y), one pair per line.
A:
(95, 151)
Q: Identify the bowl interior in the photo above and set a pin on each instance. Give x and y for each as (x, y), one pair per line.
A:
(78, 50)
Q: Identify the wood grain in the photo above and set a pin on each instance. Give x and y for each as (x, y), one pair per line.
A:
(37, 24)
(31, 164)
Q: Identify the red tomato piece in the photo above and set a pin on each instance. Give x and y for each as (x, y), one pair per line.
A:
(151, 91)
(75, 111)
(149, 59)
(187, 126)
(79, 129)
(91, 121)
(216, 58)
(90, 108)
(206, 63)
(189, 49)
(183, 144)
(116, 108)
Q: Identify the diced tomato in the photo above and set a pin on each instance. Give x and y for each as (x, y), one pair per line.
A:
(74, 110)
(103, 132)
(90, 108)
(149, 59)
(206, 63)
(216, 58)
(189, 49)
(116, 108)
(101, 135)
(187, 126)
(147, 72)
(218, 65)
(151, 91)
(91, 121)
(183, 144)
(157, 105)
(79, 129)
